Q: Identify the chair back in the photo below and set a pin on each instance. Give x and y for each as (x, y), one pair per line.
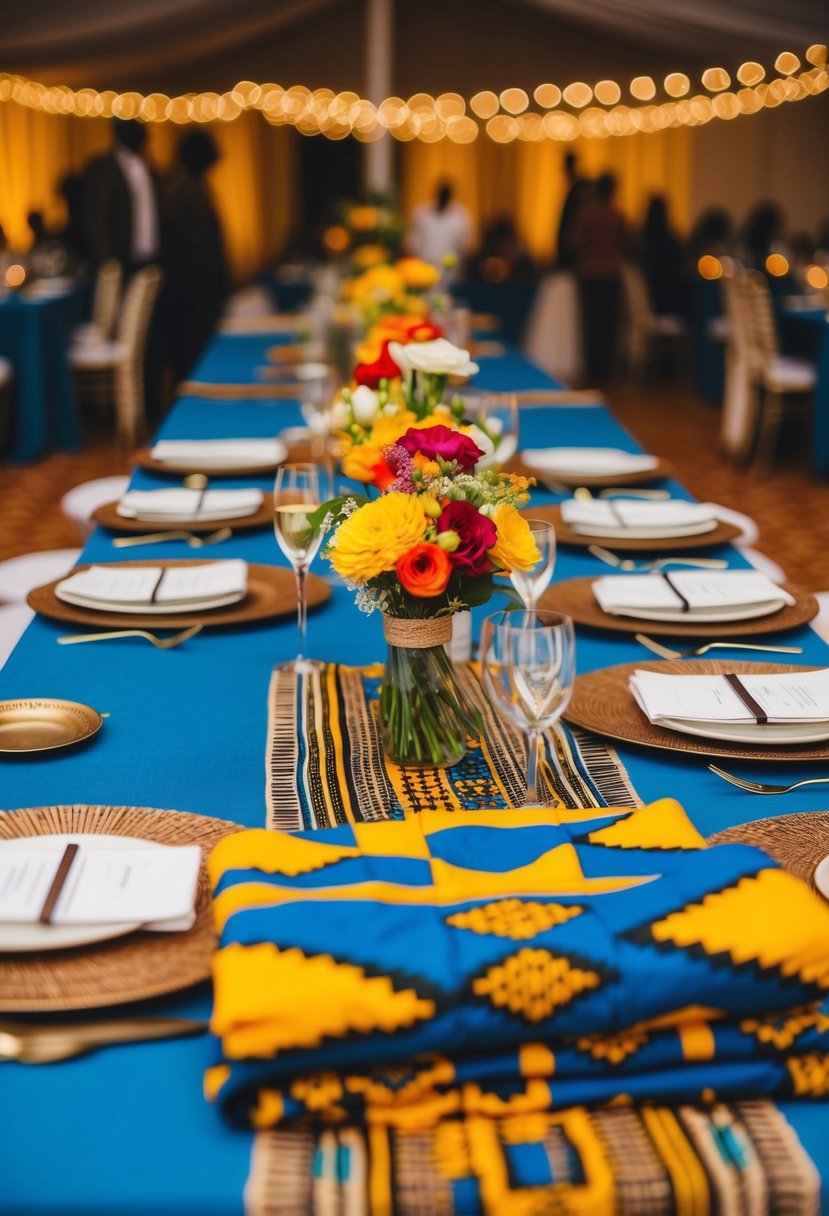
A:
(764, 342)
(137, 309)
(107, 298)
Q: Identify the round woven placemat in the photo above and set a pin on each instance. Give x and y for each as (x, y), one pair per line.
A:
(271, 592)
(661, 470)
(130, 968)
(143, 458)
(107, 516)
(566, 536)
(799, 842)
(603, 703)
(575, 598)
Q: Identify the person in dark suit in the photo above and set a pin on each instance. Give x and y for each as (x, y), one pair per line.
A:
(197, 279)
(121, 202)
(578, 189)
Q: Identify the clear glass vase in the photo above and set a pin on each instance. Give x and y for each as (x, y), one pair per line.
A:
(425, 719)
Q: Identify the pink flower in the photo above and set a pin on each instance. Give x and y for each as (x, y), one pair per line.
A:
(442, 442)
(400, 463)
(477, 535)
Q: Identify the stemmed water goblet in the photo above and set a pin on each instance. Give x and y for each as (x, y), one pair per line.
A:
(528, 662)
(531, 584)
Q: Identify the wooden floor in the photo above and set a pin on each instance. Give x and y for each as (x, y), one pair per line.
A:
(791, 509)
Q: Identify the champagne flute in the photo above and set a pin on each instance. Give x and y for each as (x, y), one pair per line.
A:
(528, 660)
(296, 495)
(531, 584)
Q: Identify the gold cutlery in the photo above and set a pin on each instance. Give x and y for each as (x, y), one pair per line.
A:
(627, 563)
(763, 787)
(195, 481)
(168, 643)
(28, 1043)
(155, 538)
(654, 495)
(666, 652)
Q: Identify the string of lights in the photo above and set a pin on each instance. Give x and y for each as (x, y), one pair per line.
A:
(576, 110)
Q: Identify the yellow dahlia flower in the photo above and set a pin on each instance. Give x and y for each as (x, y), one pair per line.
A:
(515, 548)
(417, 273)
(372, 539)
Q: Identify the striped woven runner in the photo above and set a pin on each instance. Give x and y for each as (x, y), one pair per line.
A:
(325, 763)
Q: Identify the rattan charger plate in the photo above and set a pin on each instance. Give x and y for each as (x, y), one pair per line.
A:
(603, 703)
(722, 534)
(799, 842)
(575, 598)
(661, 470)
(143, 458)
(132, 968)
(107, 516)
(271, 592)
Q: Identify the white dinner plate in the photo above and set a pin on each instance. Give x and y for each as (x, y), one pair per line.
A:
(821, 877)
(702, 618)
(588, 462)
(208, 463)
(199, 517)
(750, 732)
(19, 938)
(179, 608)
(667, 533)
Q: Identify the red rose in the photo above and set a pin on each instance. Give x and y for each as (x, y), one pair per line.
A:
(423, 331)
(383, 368)
(477, 536)
(441, 441)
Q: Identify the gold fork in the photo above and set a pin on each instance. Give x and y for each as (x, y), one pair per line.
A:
(765, 787)
(627, 563)
(175, 639)
(28, 1044)
(154, 538)
(666, 652)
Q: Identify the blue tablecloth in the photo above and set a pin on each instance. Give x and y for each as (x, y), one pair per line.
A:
(509, 302)
(808, 332)
(126, 1130)
(34, 335)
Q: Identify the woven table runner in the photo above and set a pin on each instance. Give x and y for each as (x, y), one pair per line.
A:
(325, 763)
(742, 1159)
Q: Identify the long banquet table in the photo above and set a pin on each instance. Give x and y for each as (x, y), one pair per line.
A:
(126, 1130)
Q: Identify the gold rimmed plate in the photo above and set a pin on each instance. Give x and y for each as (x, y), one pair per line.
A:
(107, 516)
(271, 592)
(603, 704)
(44, 724)
(565, 535)
(575, 598)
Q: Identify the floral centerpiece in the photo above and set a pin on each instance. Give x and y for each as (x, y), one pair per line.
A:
(428, 547)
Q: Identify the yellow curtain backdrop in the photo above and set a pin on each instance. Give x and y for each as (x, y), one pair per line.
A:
(254, 183)
(526, 180)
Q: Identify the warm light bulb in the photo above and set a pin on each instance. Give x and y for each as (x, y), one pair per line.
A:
(484, 104)
(715, 79)
(642, 88)
(547, 96)
(677, 84)
(786, 63)
(709, 267)
(750, 73)
(514, 101)
(777, 265)
(607, 92)
(578, 94)
(15, 275)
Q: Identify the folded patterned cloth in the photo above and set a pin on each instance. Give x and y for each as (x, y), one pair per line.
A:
(498, 963)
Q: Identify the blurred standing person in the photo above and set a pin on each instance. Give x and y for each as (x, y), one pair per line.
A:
(578, 189)
(121, 202)
(599, 242)
(662, 260)
(197, 279)
(762, 230)
(440, 232)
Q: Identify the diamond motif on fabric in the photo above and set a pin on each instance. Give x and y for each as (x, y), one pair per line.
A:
(781, 1030)
(612, 1049)
(513, 918)
(533, 984)
(810, 1075)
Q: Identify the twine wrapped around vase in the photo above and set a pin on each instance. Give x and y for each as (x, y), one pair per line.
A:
(421, 633)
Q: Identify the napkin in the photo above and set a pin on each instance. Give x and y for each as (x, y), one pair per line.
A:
(791, 697)
(74, 884)
(588, 462)
(185, 505)
(220, 453)
(691, 593)
(602, 517)
(490, 964)
(140, 586)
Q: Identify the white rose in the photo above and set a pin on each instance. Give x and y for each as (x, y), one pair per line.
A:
(339, 415)
(437, 358)
(365, 405)
(398, 354)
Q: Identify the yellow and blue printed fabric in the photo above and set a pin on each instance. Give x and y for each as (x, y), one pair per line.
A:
(504, 963)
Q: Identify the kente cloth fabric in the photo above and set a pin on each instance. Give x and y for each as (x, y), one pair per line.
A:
(742, 1159)
(494, 964)
(325, 762)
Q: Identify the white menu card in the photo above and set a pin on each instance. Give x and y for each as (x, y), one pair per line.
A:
(790, 697)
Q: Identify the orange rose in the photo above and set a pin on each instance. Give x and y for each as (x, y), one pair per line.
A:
(424, 571)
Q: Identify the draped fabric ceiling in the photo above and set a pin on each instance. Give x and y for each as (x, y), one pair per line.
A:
(182, 45)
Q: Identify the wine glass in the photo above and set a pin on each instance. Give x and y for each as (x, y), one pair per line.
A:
(530, 584)
(528, 660)
(497, 416)
(296, 495)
